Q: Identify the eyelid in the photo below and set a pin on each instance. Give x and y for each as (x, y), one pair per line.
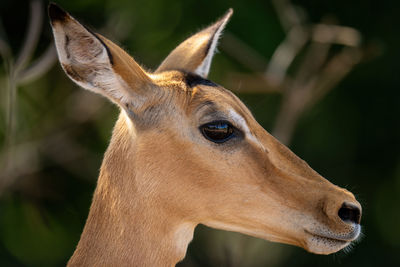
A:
(213, 116)
(218, 116)
(237, 130)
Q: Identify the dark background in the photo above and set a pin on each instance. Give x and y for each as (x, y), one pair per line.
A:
(351, 136)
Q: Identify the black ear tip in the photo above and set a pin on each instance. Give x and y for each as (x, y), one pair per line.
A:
(56, 13)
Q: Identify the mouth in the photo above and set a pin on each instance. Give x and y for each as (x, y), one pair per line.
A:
(326, 242)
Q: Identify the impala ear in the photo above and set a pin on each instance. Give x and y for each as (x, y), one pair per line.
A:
(96, 63)
(196, 52)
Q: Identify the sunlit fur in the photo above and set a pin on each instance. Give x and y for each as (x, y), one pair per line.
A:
(160, 177)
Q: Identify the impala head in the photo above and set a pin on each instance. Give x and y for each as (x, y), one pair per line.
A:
(194, 150)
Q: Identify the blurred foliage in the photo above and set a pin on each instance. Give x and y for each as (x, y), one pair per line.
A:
(351, 136)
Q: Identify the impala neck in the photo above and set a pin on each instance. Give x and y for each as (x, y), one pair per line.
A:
(124, 226)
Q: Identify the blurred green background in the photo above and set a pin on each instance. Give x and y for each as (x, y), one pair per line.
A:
(53, 134)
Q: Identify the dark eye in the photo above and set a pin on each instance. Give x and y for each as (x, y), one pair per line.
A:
(218, 131)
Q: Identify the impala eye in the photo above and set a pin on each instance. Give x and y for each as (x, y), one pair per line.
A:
(218, 131)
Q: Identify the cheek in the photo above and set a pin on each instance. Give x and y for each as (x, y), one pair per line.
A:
(249, 165)
(245, 177)
(209, 177)
(223, 169)
(228, 177)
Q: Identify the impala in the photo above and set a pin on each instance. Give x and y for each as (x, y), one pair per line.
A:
(186, 151)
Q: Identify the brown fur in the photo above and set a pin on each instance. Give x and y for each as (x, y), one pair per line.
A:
(160, 177)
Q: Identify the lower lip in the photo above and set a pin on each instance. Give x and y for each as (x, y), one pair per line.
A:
(330, 240)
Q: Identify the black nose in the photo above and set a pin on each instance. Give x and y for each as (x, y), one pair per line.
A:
(350, 213)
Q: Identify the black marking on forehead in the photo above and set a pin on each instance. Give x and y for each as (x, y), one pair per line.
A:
(192, 80)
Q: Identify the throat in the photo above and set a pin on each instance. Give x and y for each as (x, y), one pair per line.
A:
(115, 235)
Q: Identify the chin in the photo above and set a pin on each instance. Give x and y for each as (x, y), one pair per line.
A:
(325, 242)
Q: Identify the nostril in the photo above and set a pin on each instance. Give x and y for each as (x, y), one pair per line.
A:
(350, 213)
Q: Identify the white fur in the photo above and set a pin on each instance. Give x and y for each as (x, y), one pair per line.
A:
(241, 122)
(204, 67)
(183, 235)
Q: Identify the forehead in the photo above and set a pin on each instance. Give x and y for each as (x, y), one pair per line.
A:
(207, 99)
(201, 94)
